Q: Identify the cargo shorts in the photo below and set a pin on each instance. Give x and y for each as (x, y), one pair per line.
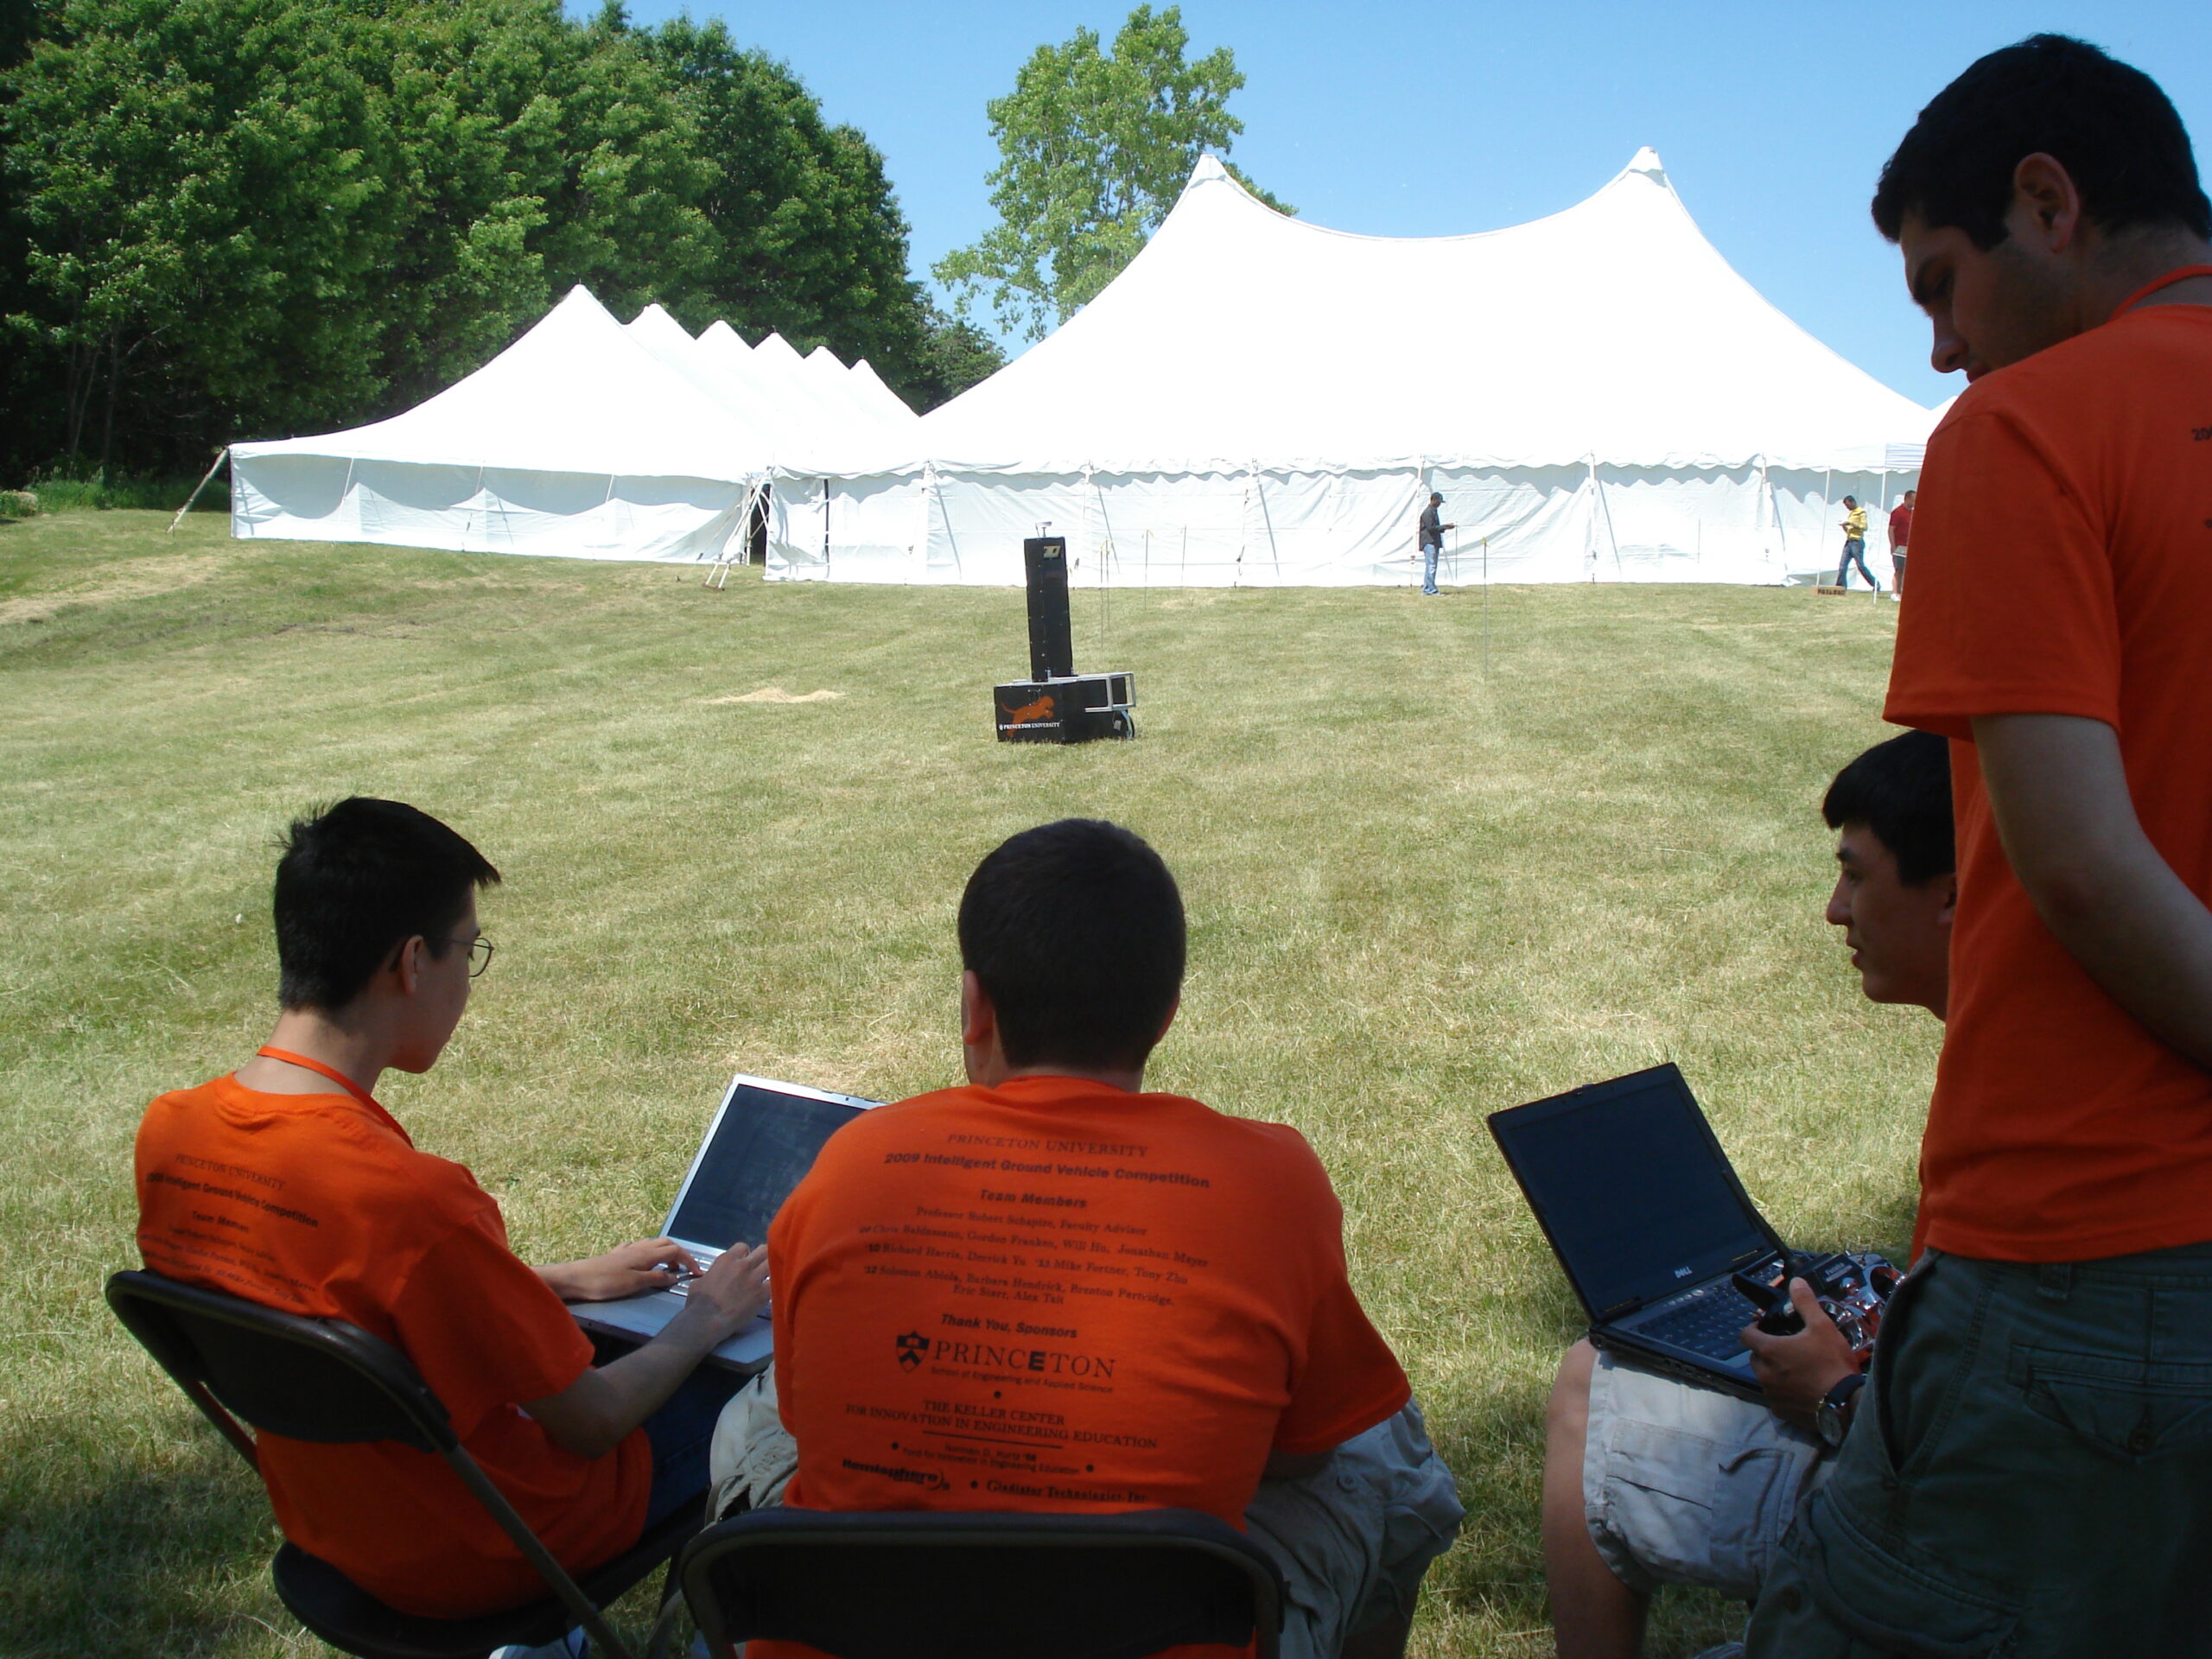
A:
(2029, 1473)
(1353, 1540)
(1689, 1485)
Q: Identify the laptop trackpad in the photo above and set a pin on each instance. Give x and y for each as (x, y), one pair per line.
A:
(645, 1317)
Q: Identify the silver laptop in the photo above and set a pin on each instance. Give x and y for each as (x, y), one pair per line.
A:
(763, 1140)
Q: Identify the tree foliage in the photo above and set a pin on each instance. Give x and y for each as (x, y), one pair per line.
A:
(1096, 147)
(225, 218)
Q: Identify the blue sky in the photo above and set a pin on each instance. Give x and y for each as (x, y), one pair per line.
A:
(1410, 118)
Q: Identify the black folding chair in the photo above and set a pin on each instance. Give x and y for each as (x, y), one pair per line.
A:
(908, 1585)
(332, 1384)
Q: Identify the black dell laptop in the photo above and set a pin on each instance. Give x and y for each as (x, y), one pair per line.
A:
(1646, 1215)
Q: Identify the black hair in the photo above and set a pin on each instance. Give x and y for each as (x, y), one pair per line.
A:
(2109, 124)
(1075, 931)
(1850, 500)
(358, 880)
(1901, 791)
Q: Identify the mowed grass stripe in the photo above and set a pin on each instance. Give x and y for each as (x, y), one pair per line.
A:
(1420, 889)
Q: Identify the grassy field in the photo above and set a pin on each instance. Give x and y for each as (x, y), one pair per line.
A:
(1424, 884)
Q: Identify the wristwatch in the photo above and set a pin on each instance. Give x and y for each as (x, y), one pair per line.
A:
(1833, 1415)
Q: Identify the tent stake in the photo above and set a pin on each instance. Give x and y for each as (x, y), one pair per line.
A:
(196, 488)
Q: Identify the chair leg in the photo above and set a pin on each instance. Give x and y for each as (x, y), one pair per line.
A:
(671, 1605)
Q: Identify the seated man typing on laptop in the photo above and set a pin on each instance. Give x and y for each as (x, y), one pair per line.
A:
(1648, 1480)
(285, 1183)
(1049, 1290)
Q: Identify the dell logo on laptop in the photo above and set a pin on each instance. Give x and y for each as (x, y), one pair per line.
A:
(1681, 1273)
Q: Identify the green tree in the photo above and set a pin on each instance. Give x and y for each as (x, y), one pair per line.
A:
(200, 180)
(538, 155)
(1096, 147)
(225, 218)
(257, 216)
(956, 355)
(811, 242)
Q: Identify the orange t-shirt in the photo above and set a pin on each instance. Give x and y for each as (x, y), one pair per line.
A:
(320, 1204)
(1056, 1295)
(2064, 566)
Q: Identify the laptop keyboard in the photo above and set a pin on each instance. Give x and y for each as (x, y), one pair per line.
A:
(706, 1259)
(1710, 1322)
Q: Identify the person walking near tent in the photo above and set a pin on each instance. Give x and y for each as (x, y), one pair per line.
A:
(1432, 542)
(1900, 528)
(1854, 545)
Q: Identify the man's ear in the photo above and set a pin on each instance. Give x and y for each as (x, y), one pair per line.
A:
(2045, 191)
(979, 1019)
(1174, 1008)
(407, 964)
(1949, 911)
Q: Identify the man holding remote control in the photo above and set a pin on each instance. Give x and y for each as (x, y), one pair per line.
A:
(1649, 1480)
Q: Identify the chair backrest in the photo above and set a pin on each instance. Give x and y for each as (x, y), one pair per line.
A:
(321, 1380)
(913, 1584)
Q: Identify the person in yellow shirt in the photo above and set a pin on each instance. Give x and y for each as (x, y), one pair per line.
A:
(1854, 544)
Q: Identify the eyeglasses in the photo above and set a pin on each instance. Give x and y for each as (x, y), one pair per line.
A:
(480, 955)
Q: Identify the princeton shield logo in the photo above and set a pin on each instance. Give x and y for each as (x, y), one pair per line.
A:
(912, 1347)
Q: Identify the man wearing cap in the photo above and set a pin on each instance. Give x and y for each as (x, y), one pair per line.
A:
(1432, 542)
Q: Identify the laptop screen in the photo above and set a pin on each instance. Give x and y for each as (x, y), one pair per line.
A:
(1631, 1187)
(763, 1140)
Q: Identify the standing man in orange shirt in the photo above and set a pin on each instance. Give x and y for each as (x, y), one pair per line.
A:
(1052, 1290)
(2037, 1478)
(286, 1183)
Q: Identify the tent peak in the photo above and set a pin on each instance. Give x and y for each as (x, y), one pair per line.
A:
(581, 301)
(1646, 161)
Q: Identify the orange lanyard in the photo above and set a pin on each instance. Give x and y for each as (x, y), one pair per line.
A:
(2150, 288)
(332, 1072)
(343, 1082)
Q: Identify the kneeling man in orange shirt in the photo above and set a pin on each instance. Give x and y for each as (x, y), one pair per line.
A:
(1051, 1290)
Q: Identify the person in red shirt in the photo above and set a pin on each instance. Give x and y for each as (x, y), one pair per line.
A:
(1900, 532)
(286, 1183)
(2037, 1482)
(1052, 1290)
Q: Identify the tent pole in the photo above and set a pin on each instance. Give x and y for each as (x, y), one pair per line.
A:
(1267, 522)
(1885, 521)
(1827, 506)
(196, 488)
(1485, 608)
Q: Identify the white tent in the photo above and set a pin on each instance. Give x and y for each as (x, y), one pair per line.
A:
(585, 438)
(577, 440)
(870, 392)
(1258, 399)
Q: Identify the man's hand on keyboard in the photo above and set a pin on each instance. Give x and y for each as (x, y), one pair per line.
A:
(727, 1294)
(626, 1270)
(1797, 1371)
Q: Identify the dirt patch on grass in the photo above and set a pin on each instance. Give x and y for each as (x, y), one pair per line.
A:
(776, 694)
(139, 581)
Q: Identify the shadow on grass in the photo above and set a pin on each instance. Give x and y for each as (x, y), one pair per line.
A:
(146, 1554)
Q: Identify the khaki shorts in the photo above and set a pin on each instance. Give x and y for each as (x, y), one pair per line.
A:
(1352, 1540)
(1687, 1485)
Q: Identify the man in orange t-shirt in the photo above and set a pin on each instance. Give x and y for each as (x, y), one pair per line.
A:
(1050, 1290)
(2040, 1484)
(286, 1184)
